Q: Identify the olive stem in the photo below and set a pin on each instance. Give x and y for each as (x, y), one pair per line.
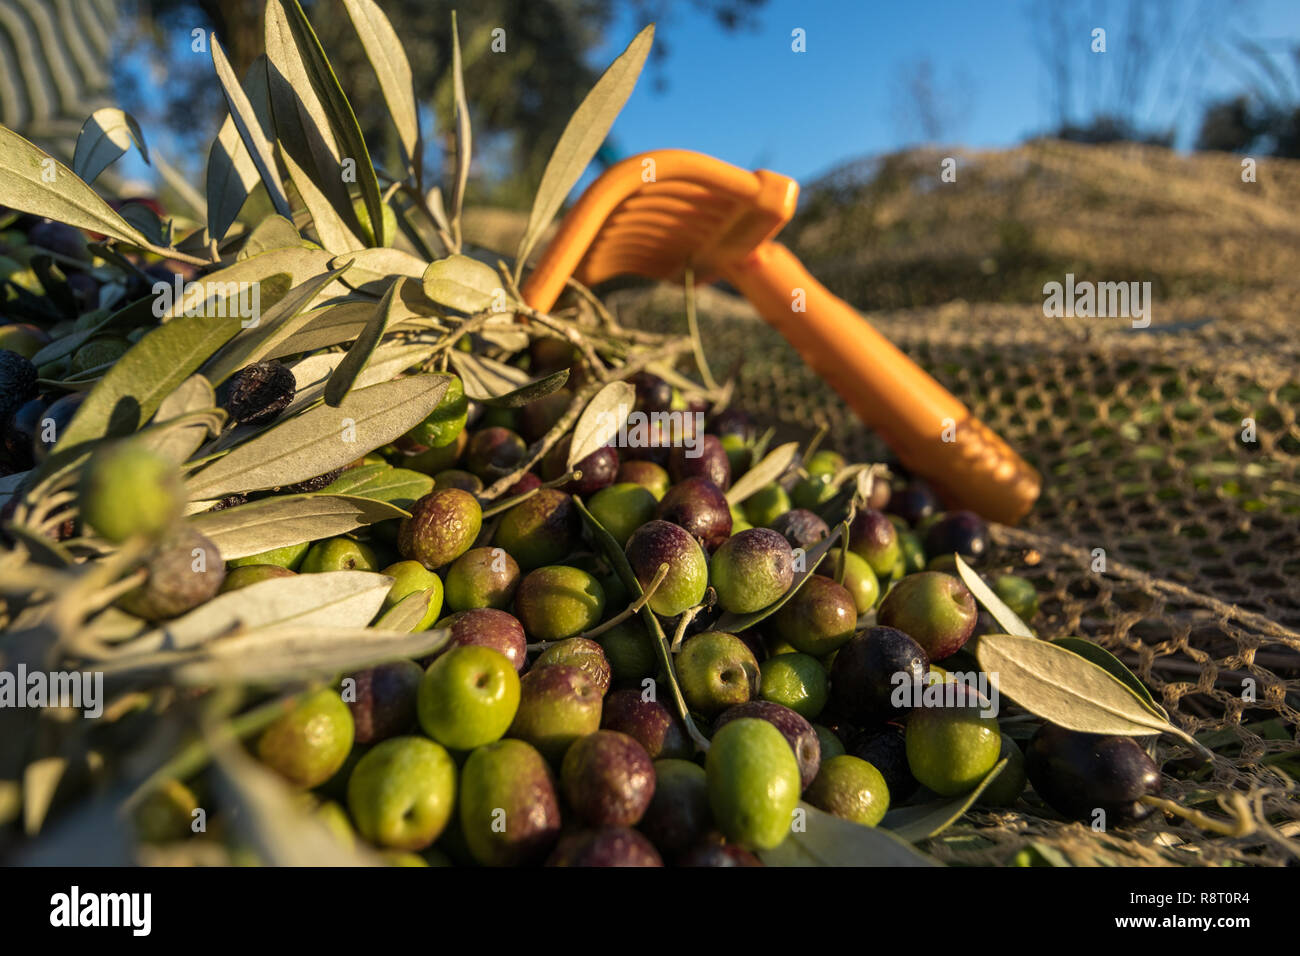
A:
(683, 623)
(508, 503)
(693, 324)
(633, 608)
(1243, 825)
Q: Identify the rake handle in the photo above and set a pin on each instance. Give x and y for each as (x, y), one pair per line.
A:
(887, 390)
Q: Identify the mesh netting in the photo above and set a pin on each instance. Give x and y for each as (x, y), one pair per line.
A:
(1138, 436)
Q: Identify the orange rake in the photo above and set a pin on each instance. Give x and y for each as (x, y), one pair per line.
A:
(658, 213)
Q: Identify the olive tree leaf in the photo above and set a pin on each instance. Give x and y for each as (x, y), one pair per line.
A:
(348, 370)
(1113, 665)
(298, 50)
(406, 614)
(735, 623)
(609, 548)
(276, 324)
(33, 181)
(290, 519)
(322, 438)
(462, 283)
(308, 149)
(131, 391)
(484, 378)
(529, 392)
(397, 486)
(104, 138)
(601, 420)
(388, 60)
(330, 598)
(773, 466)
(177, 438)
(586, 130)
(290, 267)
(1068, 690)
(243, 147)
(290, 653)
(373, 269)
(268, 818)
(930, 819)
(828, 840)
(274, 232)
(464, 137)
(1008, 618)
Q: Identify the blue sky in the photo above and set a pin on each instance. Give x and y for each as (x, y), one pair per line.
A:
(745, 97)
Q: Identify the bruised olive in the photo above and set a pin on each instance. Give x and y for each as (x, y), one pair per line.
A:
(913, 502)
(489, 627)
(582, 653)
(699, 506)
(608, 779)
(442, 526)
(608, 846)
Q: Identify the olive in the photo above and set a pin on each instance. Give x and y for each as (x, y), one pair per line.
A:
(489, 627)
(716, 671)
(582, 653)
(494, 452)
(598, 469)
(653, 394)
(751, 569)
(699, 506)
(646, 473)
(555, 602)
(819, 617)
(960, 532)
(913, 502)
(1078, 774)
(481, 578)
(442, 527)
(875, 670)
(763, 506)
(622, 508)
(708, 459)
(873, 537)
(541, 529)
(934, 609)
(886, 750)
(859, 579)
(647, 721)
(796, 730)
(800, 527)
(660, 542)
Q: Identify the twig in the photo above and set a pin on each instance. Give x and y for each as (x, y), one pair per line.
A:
(634, 607)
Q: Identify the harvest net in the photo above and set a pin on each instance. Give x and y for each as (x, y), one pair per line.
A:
(1138, 436)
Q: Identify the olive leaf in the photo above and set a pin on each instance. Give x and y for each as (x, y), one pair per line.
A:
(1008, 618)
(33, 181)
(334, 598)
(401, 487)
(763, 473)
(322, 438)
(464, 137)
(484, 378)
(529, 392)
(290, 519)
(1112, 664)
(257, 148)
(405, 616)
(338, 111)
(833, 841)
(601, 420)
(614, 554)
(388, 60)
(735, 623)
(131, 391)
(930, 819)
(231, 178)
(374, 269)
(347, 372)
(308, 148)
(462, 283)
(290, 653)
(177, 438)
(275, 325)
(1068, 690)
(582, 136)
(104, 138)
(274, 232)
(268, 818)
(296, 265)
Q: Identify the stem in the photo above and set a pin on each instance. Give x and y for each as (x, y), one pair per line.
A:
(682, 623)
(507, 503)
(633, 608)
(693, 324)
(1243, 822)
